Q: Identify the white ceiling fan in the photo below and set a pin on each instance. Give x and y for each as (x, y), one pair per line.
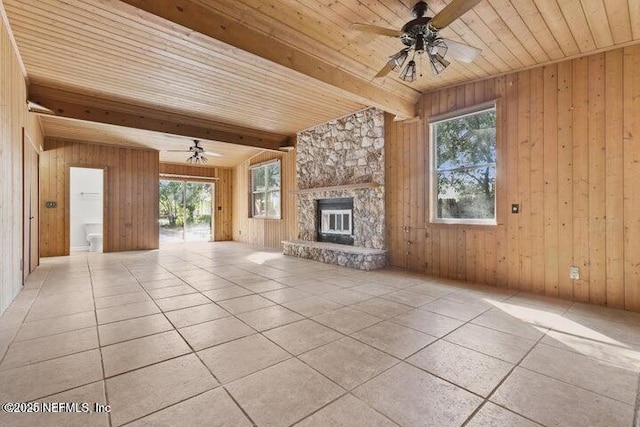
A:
(197, 153)
(420, 36)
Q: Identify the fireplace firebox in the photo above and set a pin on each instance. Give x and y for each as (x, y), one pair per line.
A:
(335, 220)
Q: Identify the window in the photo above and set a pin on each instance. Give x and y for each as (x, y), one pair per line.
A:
(463, 156)
(265, 190)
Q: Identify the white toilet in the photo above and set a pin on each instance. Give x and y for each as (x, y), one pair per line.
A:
(93, 232)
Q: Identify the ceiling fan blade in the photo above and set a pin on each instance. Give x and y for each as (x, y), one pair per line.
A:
(385, 70)
(452, 11)
(374, 29)
(212, 154)
(460, 51)
(177, 151)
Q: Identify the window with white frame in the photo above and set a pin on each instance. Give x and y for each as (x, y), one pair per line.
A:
(265, 190)
(463, 154)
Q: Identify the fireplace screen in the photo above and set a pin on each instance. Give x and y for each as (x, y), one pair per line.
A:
(335, 220)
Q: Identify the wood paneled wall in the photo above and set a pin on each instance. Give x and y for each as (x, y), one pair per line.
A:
(265, 232)
(568, 153)
(222, 227)
(131, 189)
(13, 119)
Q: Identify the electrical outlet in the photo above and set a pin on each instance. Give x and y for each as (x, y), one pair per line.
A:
(574, 273)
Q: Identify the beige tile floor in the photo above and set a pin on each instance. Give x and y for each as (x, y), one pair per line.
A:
(222, 334)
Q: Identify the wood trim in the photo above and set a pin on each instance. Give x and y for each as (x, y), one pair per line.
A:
(463, 111)
(360, 186)
(93, 109)
(52, 141)
(206, 21)
(262, 163)
(31, 201)
(35, 240)
(175, 177)
(26, 239)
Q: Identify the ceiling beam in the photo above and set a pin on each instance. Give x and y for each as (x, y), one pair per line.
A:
(207, 21)
(88, 108)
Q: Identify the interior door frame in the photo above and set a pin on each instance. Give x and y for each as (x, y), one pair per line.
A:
(35, 212)
(213, 211)
(29, 211)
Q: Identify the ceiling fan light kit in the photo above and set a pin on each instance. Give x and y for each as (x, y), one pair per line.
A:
(197, 159)
(197, 153)
(438, 63)
(397, 60)
(420, 36)
(408, 73)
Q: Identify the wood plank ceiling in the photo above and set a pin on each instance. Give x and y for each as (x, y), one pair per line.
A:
(513, 34)
(76, 130)
(108, 49)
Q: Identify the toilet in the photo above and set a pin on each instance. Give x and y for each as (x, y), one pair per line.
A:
(93, 231)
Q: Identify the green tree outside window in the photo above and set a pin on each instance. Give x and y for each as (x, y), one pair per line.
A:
(464, 173)
(265, 190)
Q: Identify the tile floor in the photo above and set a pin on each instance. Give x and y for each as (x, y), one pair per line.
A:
(224, 334)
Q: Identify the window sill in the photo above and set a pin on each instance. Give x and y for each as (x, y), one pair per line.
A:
(491, 223)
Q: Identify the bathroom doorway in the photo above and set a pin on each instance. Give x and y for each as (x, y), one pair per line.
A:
(186, 211)
(86, 197)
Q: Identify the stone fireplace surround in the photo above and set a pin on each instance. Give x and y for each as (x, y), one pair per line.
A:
(343, 158)
(368, 230)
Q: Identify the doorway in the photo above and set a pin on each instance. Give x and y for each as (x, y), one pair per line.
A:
(186, 211)
(86, 207)
(30, 197)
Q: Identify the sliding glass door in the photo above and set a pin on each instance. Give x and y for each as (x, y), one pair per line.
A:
(185, 211)
(198, 198)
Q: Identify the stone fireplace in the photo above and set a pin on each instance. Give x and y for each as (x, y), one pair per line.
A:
(336, 162)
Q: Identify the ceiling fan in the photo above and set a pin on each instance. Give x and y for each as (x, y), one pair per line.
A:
(197, 153)
(420, 36)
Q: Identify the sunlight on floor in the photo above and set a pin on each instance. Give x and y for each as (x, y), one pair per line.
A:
(262, 257)
(194, 332)
(572, 334)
